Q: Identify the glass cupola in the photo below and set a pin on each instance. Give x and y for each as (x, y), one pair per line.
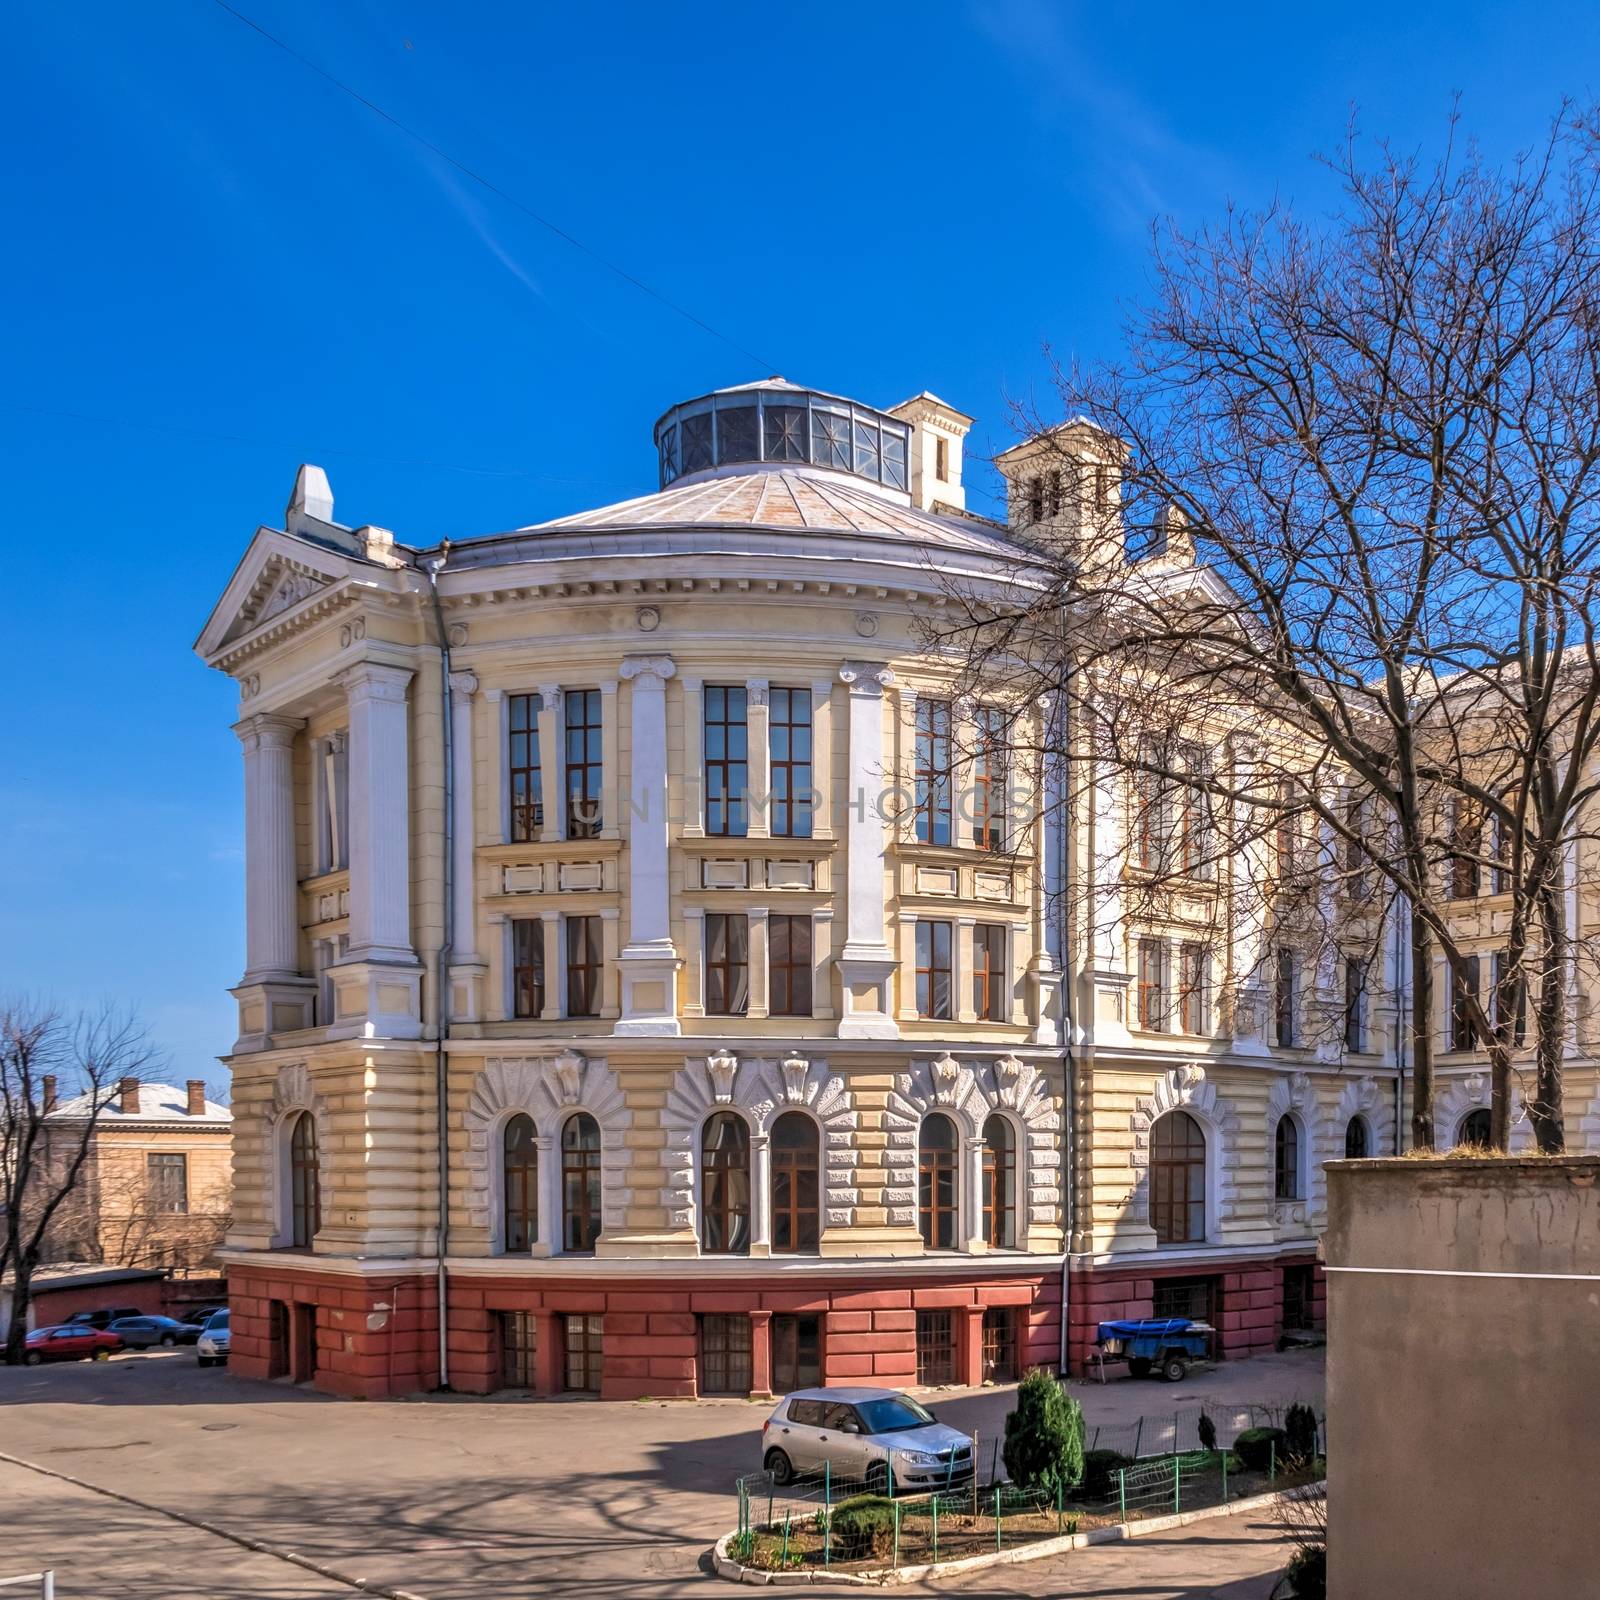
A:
(777, 424)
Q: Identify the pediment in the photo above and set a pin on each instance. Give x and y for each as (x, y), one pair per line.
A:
(277, 576)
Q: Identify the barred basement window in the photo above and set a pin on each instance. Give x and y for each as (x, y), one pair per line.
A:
(167, 1177)
(584, 1354)
(519, 1349)
(1000, 1344)
(725, 1362)
(1184, 1297)
(936, 1347)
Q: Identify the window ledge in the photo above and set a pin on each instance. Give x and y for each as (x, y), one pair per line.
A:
(548, 850)
(721, 844)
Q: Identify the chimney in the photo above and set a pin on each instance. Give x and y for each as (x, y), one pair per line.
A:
(937, 430)
(197, 1097)
(49, 1084)
(128, 1091)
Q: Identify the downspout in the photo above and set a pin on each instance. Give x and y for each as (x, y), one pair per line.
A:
(1402, 1010)
(441, 974)
(1069, 1165)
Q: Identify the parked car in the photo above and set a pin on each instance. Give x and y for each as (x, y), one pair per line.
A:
(200, 1315)
(71, 1341)
(212, 1348)
(141, 1333)
(864, 1435)
(102, 1318)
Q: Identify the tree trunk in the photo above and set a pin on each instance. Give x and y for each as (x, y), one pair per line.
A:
(1545, 1109)
(21, 1296)
(1421, 1035)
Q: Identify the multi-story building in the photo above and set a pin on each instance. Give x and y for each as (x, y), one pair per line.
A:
(658, 981)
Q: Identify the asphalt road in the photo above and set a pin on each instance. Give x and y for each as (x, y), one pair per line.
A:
(458, 1499)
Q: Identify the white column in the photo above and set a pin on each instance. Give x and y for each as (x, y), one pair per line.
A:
(463, 865)
(547, 1223)
(866, 963)
(380, 814)
(555, 966)
(552, 781)
(499, 719)
(972, 1183)
(694, 759)
(759, 1000)
(821, 963)
(962, 959)
(760, 1194)
(649, 961)
(1049, 885)
(758, 761)
(272, 887)
(905, 766)
(694, 938)
(610, 796)
(822, 825)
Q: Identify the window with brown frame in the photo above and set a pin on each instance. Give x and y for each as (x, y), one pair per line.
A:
(580, 1183)
(1153, 806)
(789, 979)
(725, 1356)
(1000, 1344)
(584, 1364)
(1463, 991)
(796, 1184)
(933, 771)
(933, 970)
(1178, 1179)
(1154, 999)
(305, 1184)
(789, 762)
(584, 762)
(1036, 498)
(584, 966)
(523, 772)
(1508, 998)
(936, 1347)
(937, 1188)
(725, 1185)
(1193, 821)
(519, 1349)
(1355, 1004)
(1286, 998)
(1466, 838)
(1000, 1184)
(989, 972)
(1286, 1163)
(727, 964)
(989, 780)
(167, 1180)
(1194, 989)
(527, 967)
(520, 1184)
(796, 1352)
(727, 759)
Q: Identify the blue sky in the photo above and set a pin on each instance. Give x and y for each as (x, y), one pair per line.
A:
(218, 266)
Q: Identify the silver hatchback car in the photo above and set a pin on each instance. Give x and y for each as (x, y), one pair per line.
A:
(864, 1435)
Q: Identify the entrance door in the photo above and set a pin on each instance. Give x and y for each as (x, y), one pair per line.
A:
(303, 1343)
(1297, 1297)
(277, 1339)
(725, 1365)
(583, 1354)
(796, 1353)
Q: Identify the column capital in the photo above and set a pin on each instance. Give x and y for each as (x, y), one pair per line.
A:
(755, 690)
(659, 667)
(550, 696)
(265, 729)
(374, 680)
(464, 684)
(866, 677)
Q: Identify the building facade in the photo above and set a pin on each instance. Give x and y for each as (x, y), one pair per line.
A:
(655, 967)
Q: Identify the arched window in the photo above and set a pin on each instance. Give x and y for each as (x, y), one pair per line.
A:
(1286, 1160)
(1474, 1129)
(305, 1189)
(520, 1192)
(1178, 1179)
(725, 1185)
(1000, 1184)
(936, 1182)
(580, 1182)
(1356, 1140)
(796, 1183)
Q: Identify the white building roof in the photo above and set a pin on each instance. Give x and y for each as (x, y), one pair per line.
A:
(158, 1103)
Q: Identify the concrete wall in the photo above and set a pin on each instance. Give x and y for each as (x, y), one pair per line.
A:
(1463, 1406)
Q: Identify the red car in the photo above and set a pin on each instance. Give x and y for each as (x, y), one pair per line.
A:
(70, 1342)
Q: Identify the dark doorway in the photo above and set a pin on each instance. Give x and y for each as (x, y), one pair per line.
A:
(1297, 1297)
(796, 1353)
(303, 1343)
(725, 1366)
(583, 1354)
(277, 1339)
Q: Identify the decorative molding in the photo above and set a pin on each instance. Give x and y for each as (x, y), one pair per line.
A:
(866, 677)
(1187, 1088)
(1295, 1094)
(1454, 1097)
(632, 667)
(721, 1067)
(293, 1091)
(290, 590)
(648, 619)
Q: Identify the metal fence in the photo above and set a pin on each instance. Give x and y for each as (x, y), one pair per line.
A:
(811, 1521)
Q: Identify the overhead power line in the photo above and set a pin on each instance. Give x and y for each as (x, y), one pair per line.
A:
(495, 189)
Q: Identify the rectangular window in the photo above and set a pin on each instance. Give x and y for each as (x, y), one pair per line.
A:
(582, 1369)
(333, 802)
(1194, 813)
(933, 771)
(1152, 808)
(796, 1352)
(1184, 1297)
(1285, 997)
(725, 1364)
(789, 966)
(1358, 826)
(1463, 990)
(1355, 1003)
(1194, 989)
(1035, 499)
(1153, 997)
(936, 1347)
(789, 761)
(727, 756)
(1466, 838)
(933, 970)
(727, 965)
(518, 1348)
(989, 972)
(522, 767)
(941, 460)
(1286, 834)
(527, 967)
(1000, 1344)
(167, 1175)
(1505, 1002)
(583, 966)
(584, 760)
(989, 776)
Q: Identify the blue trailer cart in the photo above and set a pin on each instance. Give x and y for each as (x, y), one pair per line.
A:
(1163, 1345)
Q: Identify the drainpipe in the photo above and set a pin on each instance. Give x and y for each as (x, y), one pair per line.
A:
(441, 975)
(1069, 1166)
(1402, 1009)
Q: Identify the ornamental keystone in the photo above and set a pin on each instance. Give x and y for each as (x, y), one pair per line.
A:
(722, 1067)
(567, 1069)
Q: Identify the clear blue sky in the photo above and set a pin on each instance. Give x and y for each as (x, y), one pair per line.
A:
(204, 239)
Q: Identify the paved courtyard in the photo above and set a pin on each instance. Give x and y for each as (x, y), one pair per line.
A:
(451, 1499)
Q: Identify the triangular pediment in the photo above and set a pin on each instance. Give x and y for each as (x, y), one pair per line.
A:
(277, 575)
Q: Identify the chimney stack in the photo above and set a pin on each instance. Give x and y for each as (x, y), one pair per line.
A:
(49, 1084)
(197, 1097)
(129, 1093)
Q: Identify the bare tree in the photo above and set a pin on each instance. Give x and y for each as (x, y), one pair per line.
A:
(42, 1165)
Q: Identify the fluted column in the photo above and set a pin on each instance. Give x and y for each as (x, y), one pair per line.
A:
(272, 920)
(380, 814)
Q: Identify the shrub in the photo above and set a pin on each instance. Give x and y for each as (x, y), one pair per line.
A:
(1100, 1469)
(1044, 1437)
(1307, 1573)
(1300, 1434)
(1207, 1430)
(863, 1526)
(1257, 1447)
